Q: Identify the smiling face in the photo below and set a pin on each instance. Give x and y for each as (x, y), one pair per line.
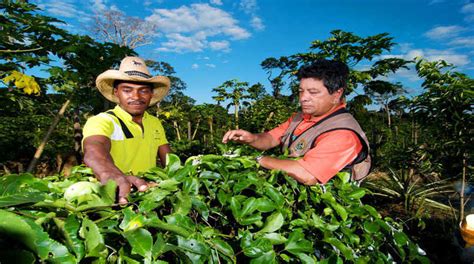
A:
(133, 98)
(315, 99)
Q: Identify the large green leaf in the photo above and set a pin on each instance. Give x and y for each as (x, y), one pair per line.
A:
(33, 237)
(274, 222)
(141, 242)
(70, 229)
(94, 241)
(296, 243)
(21, 198)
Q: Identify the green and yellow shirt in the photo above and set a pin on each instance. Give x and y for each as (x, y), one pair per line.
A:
(132, 149)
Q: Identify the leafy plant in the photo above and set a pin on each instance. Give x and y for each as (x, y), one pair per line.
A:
(212, 209)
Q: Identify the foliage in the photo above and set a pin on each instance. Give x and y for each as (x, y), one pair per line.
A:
(23, 82)
(412, 190)
(342, 46)
(209, 209)
(445, 109)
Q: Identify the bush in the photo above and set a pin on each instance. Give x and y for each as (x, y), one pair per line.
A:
(210, 209)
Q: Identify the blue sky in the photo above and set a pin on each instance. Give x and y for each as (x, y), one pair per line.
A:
(209, 42)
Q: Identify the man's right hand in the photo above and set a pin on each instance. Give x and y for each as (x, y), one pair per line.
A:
(239, 135)
(124, 184)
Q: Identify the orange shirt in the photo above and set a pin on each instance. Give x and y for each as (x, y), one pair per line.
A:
(331, 152)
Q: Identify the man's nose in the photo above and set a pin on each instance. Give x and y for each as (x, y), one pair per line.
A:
(135, 94)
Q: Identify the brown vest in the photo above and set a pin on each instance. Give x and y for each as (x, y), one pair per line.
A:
(297, 146)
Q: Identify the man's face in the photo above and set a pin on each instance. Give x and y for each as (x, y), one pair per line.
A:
(315, 99)
(133, 98)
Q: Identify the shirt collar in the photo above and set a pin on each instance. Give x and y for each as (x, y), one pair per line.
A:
(125, 115)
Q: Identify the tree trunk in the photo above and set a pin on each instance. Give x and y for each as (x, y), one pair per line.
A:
(196, 129)
(189, 130)
(236, 114)
(176, 127)
(210, 121)
(389, 120)
(266, 121)
(77, 136)
(40, 148)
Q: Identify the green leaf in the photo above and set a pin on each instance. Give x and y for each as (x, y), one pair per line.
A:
(357, 194)
(346, 251)
(194, 246)
(235, 207)
(223, 247)
(71, 233)
(141, 241)
(306, 259)
(210, 175)
(94, 241)
(341, 211)
(182, 204)
(33, 237)
(400, 238)
(275, 238)
(371, 227)
(273, 223)
(344, 176)
(275, 195)
(173, 163)
(21, 198)
(249, 206)
(265, 205)
(267, 257)
(296, 243)
(169, 185)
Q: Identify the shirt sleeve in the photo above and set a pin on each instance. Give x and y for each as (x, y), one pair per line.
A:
(98, 125)
(333, 151)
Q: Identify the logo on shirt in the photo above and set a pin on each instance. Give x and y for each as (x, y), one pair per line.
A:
(157, 134)
(301, 145)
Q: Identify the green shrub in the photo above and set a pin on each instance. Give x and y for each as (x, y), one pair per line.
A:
(211, 209)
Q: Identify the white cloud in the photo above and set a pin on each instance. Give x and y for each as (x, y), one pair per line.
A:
(210, 65)
(98, 5)
(195, 24)
(179, 43)
(257, 23)
(468, 9)
(195, 66)
(249, 6)
(449, 56)
(463, 42)
(216, 2)
(443, 32)
(219, 45)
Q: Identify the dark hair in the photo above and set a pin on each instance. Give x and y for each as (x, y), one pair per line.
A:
(117, 82)
(334, 74)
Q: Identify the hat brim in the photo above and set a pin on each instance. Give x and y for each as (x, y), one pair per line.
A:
(105, 83)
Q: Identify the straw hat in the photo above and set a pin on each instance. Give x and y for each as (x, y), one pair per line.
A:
(132, 69)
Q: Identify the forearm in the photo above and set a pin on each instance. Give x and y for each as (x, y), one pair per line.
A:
(263, 141)
(292, 167)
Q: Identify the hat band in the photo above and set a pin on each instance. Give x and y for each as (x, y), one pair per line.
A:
(137, 73)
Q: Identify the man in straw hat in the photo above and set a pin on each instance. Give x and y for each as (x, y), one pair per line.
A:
(126, 140)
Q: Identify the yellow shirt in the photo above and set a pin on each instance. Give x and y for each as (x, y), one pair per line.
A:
(136, 154)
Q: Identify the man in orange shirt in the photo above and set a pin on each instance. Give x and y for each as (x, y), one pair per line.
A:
(324, 134)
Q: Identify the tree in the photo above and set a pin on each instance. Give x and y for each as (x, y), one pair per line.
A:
(236, 92)
(342, 46)
(383, 93)
(116, 27)
(445, 110)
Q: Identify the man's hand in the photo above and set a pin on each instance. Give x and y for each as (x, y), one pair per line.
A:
(125, 183)
(239, 135)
